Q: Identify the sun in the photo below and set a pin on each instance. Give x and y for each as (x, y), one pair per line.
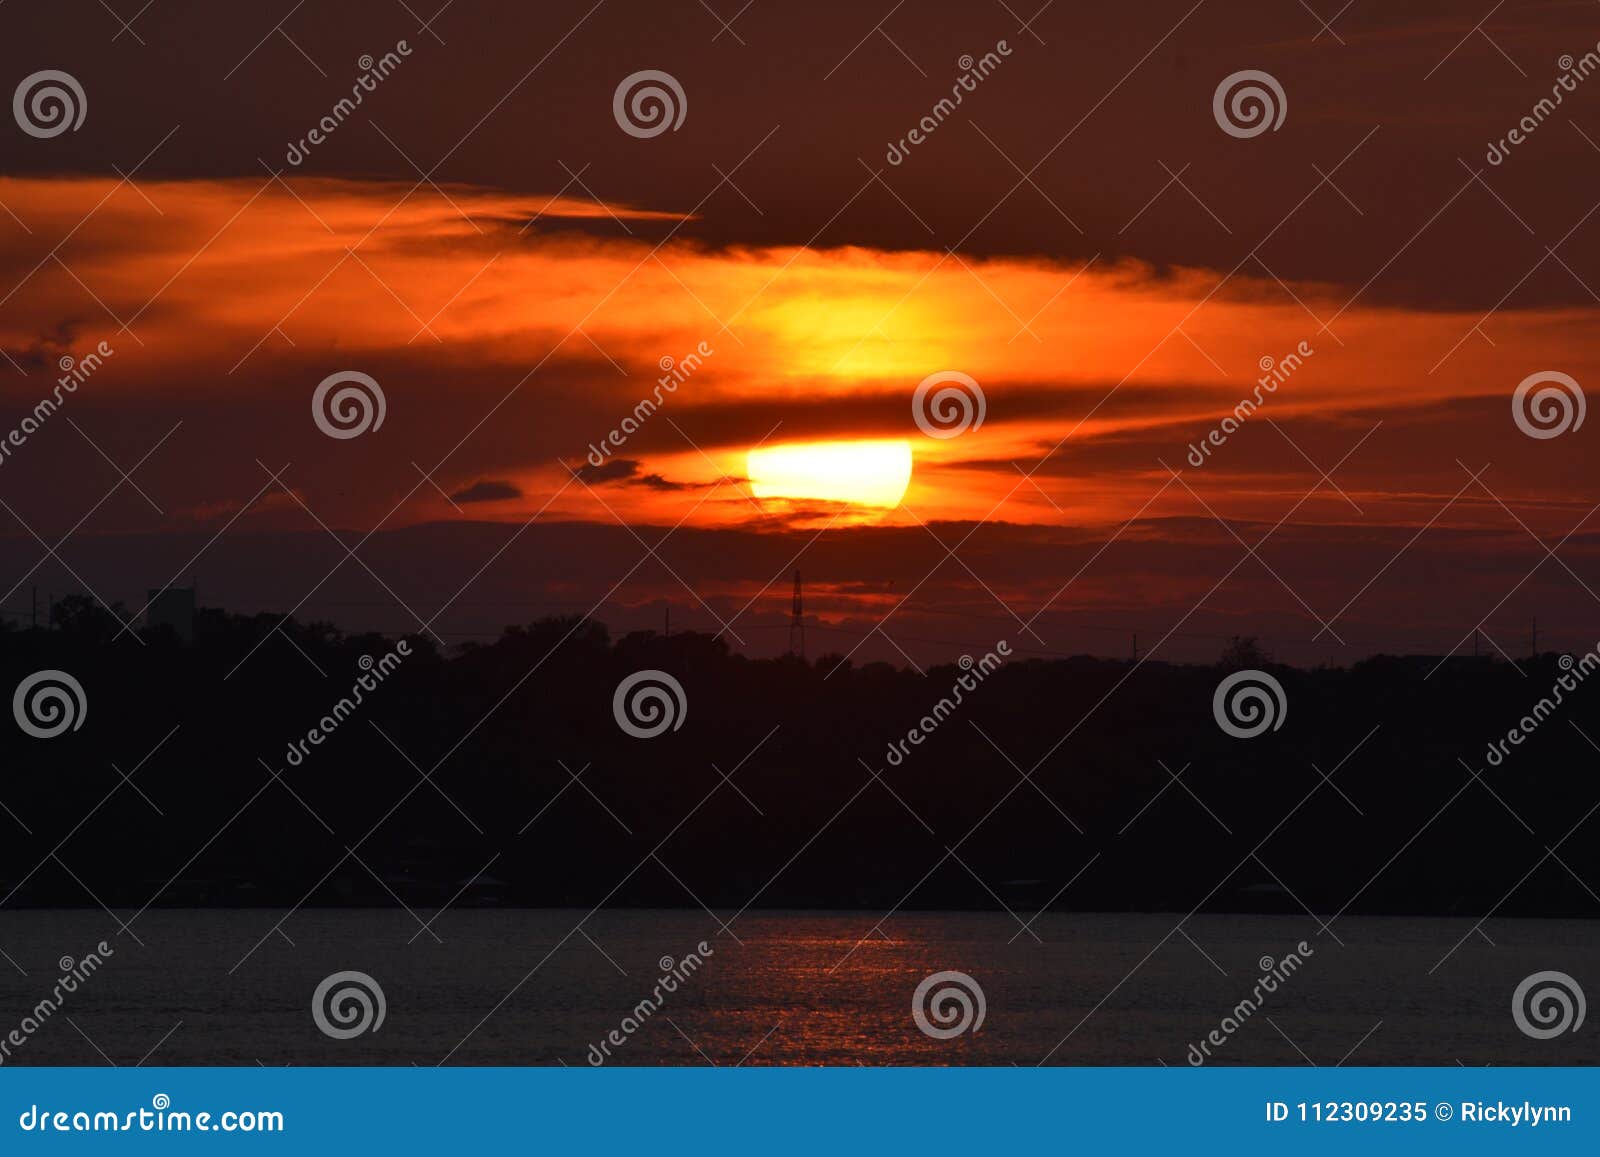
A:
(862, 473)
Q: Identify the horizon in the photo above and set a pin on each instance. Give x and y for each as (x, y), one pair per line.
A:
(576, 563)
(149, 621)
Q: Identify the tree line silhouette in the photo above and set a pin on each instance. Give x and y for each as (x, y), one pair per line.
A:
(497, 774)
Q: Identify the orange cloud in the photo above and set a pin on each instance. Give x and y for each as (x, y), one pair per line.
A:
(471, 299)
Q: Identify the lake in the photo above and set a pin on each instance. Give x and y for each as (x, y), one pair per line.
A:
(533, 987)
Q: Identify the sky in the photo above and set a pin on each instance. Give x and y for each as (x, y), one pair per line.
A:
(1109, 268)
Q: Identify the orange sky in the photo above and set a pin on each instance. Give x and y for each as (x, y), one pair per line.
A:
(461, 309)
(1080, 237)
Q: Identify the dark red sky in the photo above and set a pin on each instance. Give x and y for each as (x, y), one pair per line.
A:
(1080, 236)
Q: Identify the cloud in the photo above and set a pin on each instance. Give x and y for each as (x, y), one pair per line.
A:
(560, 341)
(612, 471)
(657, 482)
(489, 490)
(629, 471)
(1435, 102)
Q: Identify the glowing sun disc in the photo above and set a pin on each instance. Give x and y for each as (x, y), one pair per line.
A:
(863, 473)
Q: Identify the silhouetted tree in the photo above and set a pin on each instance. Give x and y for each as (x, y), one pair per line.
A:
(467, 755)
(1243, 652)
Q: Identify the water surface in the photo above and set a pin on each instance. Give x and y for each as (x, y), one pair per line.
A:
(525, 987)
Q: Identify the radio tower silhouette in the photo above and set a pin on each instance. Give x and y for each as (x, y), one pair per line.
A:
(797, 621)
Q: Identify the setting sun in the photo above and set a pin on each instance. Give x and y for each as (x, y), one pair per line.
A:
(864, 473)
